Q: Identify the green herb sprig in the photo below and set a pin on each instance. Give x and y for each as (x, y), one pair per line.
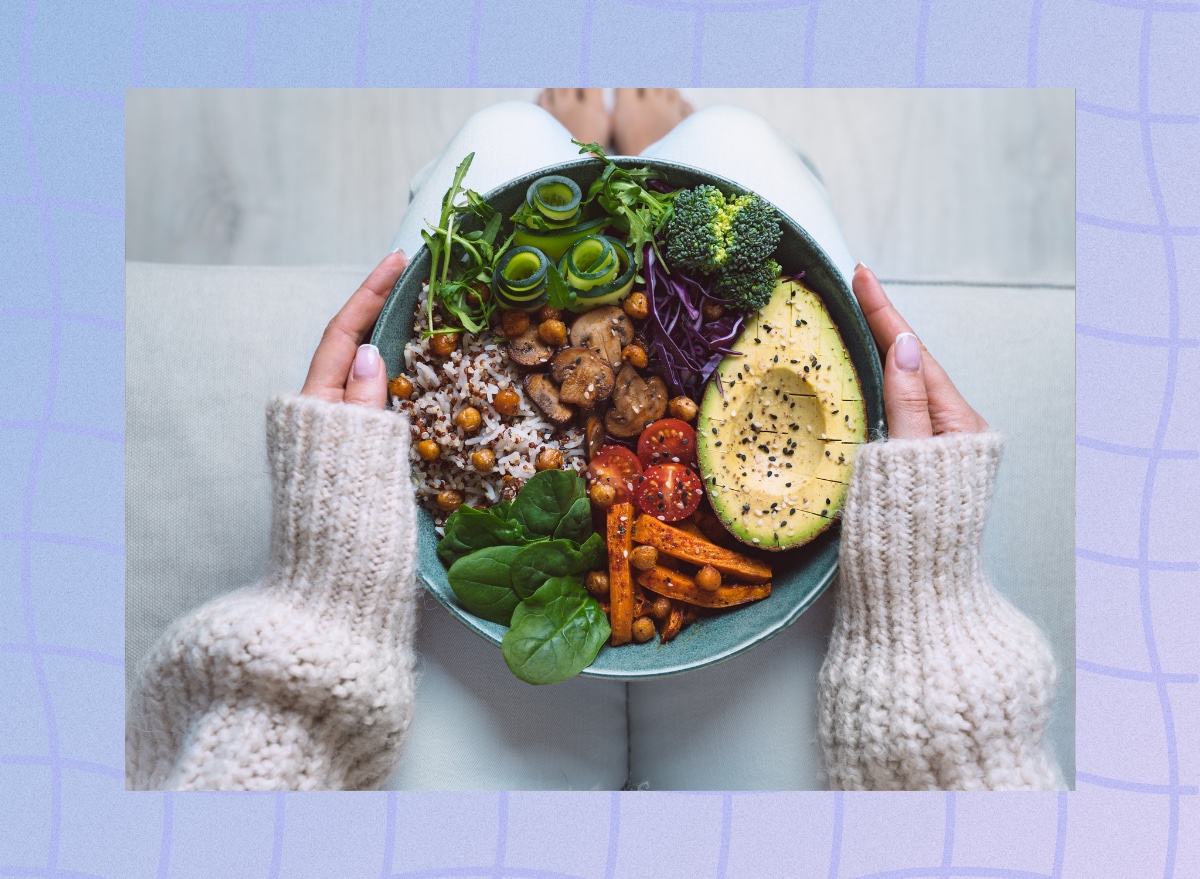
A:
(641, 213)
(462, 263)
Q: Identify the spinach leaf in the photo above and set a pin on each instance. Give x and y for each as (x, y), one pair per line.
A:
(501, 509)
(555, 633)
(481, 582)
(545, 559)
(577, 524)
(469, 529)
(544, 500)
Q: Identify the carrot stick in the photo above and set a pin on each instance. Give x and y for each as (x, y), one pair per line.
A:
(681, 545)
(681, 587)
(620, 584)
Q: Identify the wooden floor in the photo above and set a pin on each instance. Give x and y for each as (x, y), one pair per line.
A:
(954, 185)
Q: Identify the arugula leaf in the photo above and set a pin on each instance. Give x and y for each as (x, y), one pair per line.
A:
(555, 633)
(545, 499)
(468, 529)
(481, 581)
(560, 295)
(543, 559)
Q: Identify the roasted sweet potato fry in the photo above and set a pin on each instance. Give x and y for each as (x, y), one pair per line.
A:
(673, 624)
(620, 584)
(697, 550)
(683, 588)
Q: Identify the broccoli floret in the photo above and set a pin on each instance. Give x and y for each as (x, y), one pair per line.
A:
(732, 238)
(697, 231)
(750, 290)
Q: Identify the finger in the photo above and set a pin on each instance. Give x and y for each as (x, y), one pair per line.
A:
(351, 326)
(886, 323)
(904, 395)
(367, 383)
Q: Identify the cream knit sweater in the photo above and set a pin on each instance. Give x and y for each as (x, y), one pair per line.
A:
(932, 680)
(305, 680)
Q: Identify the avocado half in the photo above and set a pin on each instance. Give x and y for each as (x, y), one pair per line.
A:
(776, 441)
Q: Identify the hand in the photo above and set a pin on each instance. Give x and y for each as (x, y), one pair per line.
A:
(343, 369)
(919, 397)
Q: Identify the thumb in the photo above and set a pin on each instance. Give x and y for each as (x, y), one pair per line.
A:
(904, 394)
(367, 382)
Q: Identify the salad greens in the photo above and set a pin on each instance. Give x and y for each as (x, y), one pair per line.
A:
(462, 263)
(555, 633)
(637, 210)
(520, 561)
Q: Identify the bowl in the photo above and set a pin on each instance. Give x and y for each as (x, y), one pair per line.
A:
(802, 574)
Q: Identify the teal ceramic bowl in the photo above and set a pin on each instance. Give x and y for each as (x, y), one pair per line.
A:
(801, 575)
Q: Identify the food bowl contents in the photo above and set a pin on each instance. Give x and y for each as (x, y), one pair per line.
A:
(620, 402)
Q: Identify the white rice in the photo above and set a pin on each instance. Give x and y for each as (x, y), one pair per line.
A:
(473, 375)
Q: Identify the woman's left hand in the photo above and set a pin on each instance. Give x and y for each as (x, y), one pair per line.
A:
(344, 369)
(920, 399)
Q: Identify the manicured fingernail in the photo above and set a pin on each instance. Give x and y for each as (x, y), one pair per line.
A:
(367, 363)
(908, 352)
(861, 265)
(400, 250)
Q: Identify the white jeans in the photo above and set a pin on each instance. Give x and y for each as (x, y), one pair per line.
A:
(512, 138)
(745, 724)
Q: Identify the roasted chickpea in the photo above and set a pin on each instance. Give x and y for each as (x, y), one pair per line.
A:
(713, 310)
(661, 609)
(549, 312)
(468, 419)
(479, 294)
(507, 401)
(602, 494)
(708, 578)
(552, 332)
(548, 459)
(643, 629)
(443, 344)
(597, 583)
(483, 460)
(683, 407)
(636, 355)
(514, 322)
(428, 450)
(643, 557)
(449, 499)
(400, 387)
(636, 306)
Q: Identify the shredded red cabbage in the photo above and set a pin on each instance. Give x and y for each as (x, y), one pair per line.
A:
(686, 347)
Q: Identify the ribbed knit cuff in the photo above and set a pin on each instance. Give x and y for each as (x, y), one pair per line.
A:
(343, 533)
(915, 513)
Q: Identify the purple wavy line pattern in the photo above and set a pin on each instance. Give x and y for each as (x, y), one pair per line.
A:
(60, 788)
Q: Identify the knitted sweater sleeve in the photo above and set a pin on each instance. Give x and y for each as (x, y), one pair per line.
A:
(304, 680)
(932, 679)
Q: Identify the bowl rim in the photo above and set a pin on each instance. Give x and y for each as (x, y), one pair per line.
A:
(493, 632)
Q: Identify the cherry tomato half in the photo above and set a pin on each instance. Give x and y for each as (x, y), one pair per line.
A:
(669, 492)
(668, 440)
(618, 467)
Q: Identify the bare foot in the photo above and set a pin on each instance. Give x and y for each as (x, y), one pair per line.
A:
(581, 111)
(642, 116)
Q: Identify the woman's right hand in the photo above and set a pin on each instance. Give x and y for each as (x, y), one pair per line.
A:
(920, 399)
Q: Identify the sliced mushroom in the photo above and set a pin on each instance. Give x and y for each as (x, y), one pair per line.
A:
(584, 376)
(543, 392)
(635, 403)
(527, 349)
(606, 330)
(593, 435)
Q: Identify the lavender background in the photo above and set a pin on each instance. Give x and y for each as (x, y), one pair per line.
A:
(63, 71)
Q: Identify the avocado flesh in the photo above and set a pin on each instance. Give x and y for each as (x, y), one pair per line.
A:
(776, 449)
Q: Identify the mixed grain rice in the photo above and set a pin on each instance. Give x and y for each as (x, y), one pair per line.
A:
(473, 375)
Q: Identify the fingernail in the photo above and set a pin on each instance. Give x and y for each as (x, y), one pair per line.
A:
(908, 352)
(400, 250)
(861, 265)
(367, 363)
